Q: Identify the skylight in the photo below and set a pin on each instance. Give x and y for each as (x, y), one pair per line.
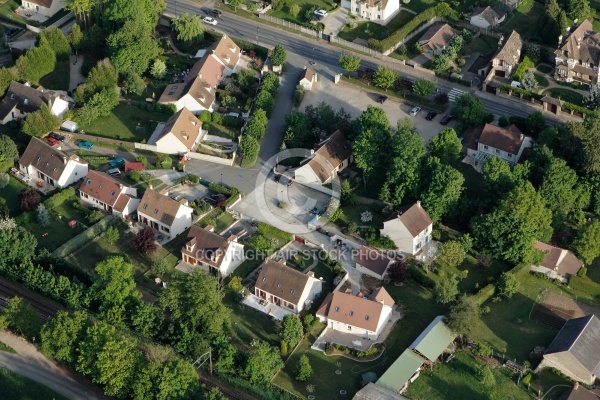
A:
(351, 313)
(337, 309)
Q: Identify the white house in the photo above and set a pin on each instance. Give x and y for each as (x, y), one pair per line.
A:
(44, 7)
(212, 252)
(507, 143)
(364, 317)
(557, 263)
(333, 155)
(378, 11)
(51, 165)
(507, 58)
(103, 191)
(163, 214)
(181, 134)
(371, 262)
(21, 99)
(227, 53)
(286, 287)
(487, 17)
(307, 78)
(410, 228)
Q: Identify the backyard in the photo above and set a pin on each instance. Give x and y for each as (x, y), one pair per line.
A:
(55, 234)
(57, 79)
(566, 95)
(368, 30)
(524, 20)
(482, 44)
(7, 10)
(11, 194)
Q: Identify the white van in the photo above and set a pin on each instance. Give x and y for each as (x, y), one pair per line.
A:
(516, 84)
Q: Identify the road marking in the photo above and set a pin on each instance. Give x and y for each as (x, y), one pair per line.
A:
(454, 93)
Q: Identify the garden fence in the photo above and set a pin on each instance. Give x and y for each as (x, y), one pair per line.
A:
(288, 24)
(83, 238)
(355, 46)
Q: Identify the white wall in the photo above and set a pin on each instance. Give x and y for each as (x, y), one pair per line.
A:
(233, 258)
(169, 144)
(59, 107)
(305, 174)
(73, 172)
(386, 311)
(55, 7)
(132, 205)
(183, 220)
(479, 22)
(367, 271)
(402, 237)
(191, 104)
(355, 331)
(313, 286)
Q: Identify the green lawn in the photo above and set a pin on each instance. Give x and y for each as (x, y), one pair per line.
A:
(7, 10)
(305, 5)
(477, 277)
(368, 30)
(548, 379)
(457, 380)
(69, 212)
(299, 262)
(419, 5)
(566, 95)
(57, 79)
(52, 236)
(248, 324)
(546, 69)
(221, 131)
(126, 122)
(541, 80)
(219, 218)
(13, 386)
(524, 20)
(482, 45)
(352, 214)
(11, 194)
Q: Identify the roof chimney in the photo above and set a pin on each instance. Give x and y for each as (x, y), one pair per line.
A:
(521, 137)
(578, 42)
(419, 203)
(500, 40)
(576, 386)
(65, 160)
(560, 38)
(209, 228)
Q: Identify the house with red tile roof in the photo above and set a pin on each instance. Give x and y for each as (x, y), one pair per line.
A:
(166, 215)
(333, 155)
(109, 194)
(180, 134)
(557, 263)
(212, 252)
(508, 144)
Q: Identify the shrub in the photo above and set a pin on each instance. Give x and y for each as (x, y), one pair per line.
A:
(59, 198)
(284, 348)
(419, 276)
(95, 216)
(29, 199)
(145, 241)
(143, 160)
(135, 175)
(582, 272)
(483, 350)
(527, 379)
(522, 68)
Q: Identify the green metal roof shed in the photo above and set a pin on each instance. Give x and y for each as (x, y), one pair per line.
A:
(432, 342)
(396, 376)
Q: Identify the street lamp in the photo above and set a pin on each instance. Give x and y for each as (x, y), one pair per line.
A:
(281, 195)
(221, 179)
(313, 57)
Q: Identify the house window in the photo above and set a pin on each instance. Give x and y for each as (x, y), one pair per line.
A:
(351, 313)
(145, 206)
(366, 317)
(485, 147)
(349, 328)
(378, 16)
(497, 151)
(356, 9)
(337, 309)
(112, 193)
(509, 155)
(291, 306)
(292, 291)
(155, 211)
(265, 279)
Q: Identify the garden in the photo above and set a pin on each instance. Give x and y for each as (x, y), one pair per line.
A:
(299, 12)
(566, 95)
(368, 30)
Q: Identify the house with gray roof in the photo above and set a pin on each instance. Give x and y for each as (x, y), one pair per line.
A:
(578, 55)
(21, 99)
(509, 53)
(487, 17)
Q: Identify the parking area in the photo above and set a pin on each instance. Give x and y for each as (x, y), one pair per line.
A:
(355, 100)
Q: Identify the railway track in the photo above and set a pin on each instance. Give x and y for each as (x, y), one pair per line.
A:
(230, 393)
(46, 308)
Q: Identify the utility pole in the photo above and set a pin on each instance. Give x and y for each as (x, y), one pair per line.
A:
(202, 360)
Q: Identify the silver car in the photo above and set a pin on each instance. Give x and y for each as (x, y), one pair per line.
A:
(415, 111)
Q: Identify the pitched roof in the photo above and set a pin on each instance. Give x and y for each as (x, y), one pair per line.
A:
(581, 338)
(414, 218)
(552, 100)
(511, 49)
(104, 188)
(490, 14)
(42, 3)
(226, 50)
(373, 392)
(335, 150)
(46, 159)
(557, 259)
(185, 126)
(438, 36)
(434, 339)
(508, 139)
(375, 3)
(400, 371)
(381, 295)
(206, 245)
(24, 97)
(308, 74)
(353, 310)
(578, 393)
(159, 207)
(583, 44)
(372, 259)
(281, 281)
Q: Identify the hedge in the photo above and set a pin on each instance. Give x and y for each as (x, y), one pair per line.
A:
(574, 107)
(485, 293)
(83, 238)
(524, 92)
(271, 231)
(419, 276)
(585, 285)
(522, 68)
(59, 198)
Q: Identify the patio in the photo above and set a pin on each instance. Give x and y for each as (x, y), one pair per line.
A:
(33, 181)
(31, 15)
(264, 306)
(429, 252)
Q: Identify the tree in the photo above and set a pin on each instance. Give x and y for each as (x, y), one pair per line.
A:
(592, 100)
(446, 288)
(563, 21)
(263, 363)
(188, 27)
(385, 77)
(4, 180)
(102, 76)
(36, 63)
(304, 369)
(349, 62)
(249, 149)
(424, 87)
(16, 245)
(486, 376)
(215, 393)
(235, 4)
(75, 37)
(587, 243)
(29, 199)
(22, 318)
(111, 234)
(529, 82)
(257, 125)
(294, 10)
(43, 217)
(158, 69)
(469, 111)
(145, 241)
(264, 101)
(40, 122)
(398, 272)
(133, 46)
(279, 55)
(580, 10)
(114, 285)
(57, 41)
(452, 253)
(61, 335)
(463, 315)
(553, 9)
(446, 146)
(270, 83)
(8, 150)
(291, 330)
(6, 77)
(81, 8)
(590, 140)
(507, 285)
(441, 188)
(441, 62)
(536, 122)
(366, 153)
(134, 83)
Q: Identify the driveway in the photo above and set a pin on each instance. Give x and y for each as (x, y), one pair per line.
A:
(335, 21)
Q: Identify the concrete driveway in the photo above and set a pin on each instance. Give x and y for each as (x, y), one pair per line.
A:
(335, 21)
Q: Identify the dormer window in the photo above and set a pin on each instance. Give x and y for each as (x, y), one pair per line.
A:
(155, 211)
(292, 291)
(264, 279)
(89, 182)
(112, 193)
(26, 101)
(145, 206)
(337, 309)
(351, 313)
(366, 317)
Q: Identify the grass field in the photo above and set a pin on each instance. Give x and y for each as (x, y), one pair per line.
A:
(57, 79)
(17, 387)
(476, 277)
(546, 69)
(482, 45)
(305, 5)
(524, 20)
(249, 324)
(53, 235)
(7, 11)
(11, 194)
(368, 30)
(566, 95)
(541, 80)
(352, 214)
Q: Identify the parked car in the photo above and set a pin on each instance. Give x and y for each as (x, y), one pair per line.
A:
(430, 115)
(209, 20)
(57, 136)
(114, 172)
(276, 178)
(415, 111)
(320, 13)
(216, 13)
(446, 119)
(117, 162)
(84, 144)
(52, 142)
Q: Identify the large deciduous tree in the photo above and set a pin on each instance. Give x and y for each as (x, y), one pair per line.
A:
(40, 122)
(263, 363)
(349, 63)
(145, 241)
(385, 77)
(452, 253)
(36, 63)
(114, 285)
(423, 87)
(57, 41)
(441, 188)
(463, 316)
(188, 27)
(291, 330)
(16, 245)
(446, 146)
(279, 56)
(61, 335)
(587, 243)
(8, 150)
(132, 47)
(469, 111)
(507, 285)
(446, 288)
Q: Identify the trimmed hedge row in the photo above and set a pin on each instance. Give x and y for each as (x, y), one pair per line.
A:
(59, 198)
(522, 68)
(585, 285)
(271, 231)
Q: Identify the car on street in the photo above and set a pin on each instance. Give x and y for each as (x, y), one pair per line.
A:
(116, 162)
(430, 115)
(446, 119)
(320, 13)
(209, 20)
(52, 142)
(415, 111)
(216, 13)
(85, 144)
(57, 136)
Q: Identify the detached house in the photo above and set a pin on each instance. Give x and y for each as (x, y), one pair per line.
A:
(286, 287)
(410, 228)
(557, 263)
(114, 197)
(508, 143)
(436, 39)
(364, 317)
(181, 134)
(307, 78)
(507, 58)
(212, 252)
(378, 11)
(52, 166)
(163, 214)
(227, 53)
(333, 155)
(21, 99)
(487, 17)
(372, 262)
(574, 350)
(44, 7)
(578, 55)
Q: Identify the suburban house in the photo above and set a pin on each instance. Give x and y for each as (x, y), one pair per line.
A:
(436, 39)
(364, 317)
(212, 252)
(557, 263)
(578, 55)
(574, 350)
(167, 216)
(307, 78)
(487, 17)
(578, 392)
(44, 7)
(508, 144)
(333, 155)
(378, 11)
(434, 341)
(180, 134)
(52, 166)
(410, 228)
(227, 53)
(103, 191)
(286, 287)
(508, 55)
(21, 99)
(372, 262)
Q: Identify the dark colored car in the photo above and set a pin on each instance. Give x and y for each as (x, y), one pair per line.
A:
(117, 162)
(276, 178)
(430, 115)
(52, 142)
(382, 99)
(446, 119)
(56, 136)
(216, 13)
